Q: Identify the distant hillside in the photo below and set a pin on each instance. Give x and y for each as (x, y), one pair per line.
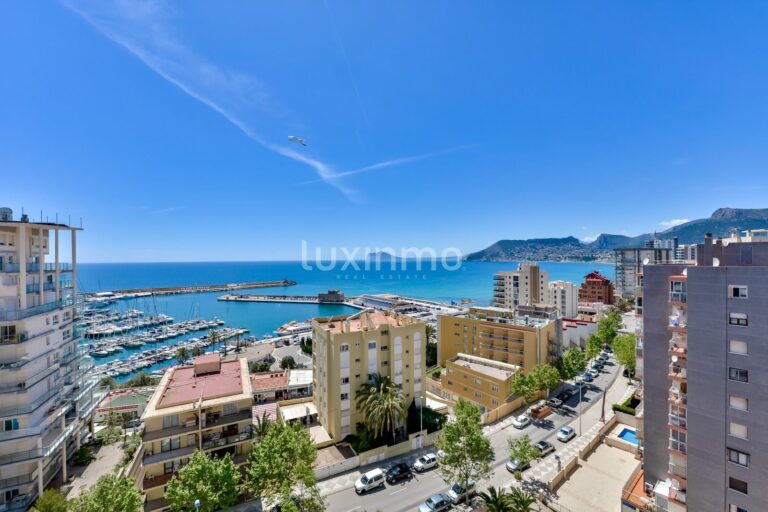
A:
(720, 223)
(381, 256)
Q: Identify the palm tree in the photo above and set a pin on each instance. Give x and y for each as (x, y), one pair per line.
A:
(520, 500)
(214, 337)
(496, 500)
(182, 354)
(261, 425)
(382, 405)
(431, 332)
(197, 350)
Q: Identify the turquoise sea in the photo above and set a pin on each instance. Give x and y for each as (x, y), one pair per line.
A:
(472, 280)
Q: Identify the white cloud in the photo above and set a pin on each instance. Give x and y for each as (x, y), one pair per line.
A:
(588, 239)
(666, 224)
(143, 29)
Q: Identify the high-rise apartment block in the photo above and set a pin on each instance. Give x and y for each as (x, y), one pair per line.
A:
(564, 295)
(526, 286)
(702, 351)
(596, 288)
(349, 350)
(47, 398)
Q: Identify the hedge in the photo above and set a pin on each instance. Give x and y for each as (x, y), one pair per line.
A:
(628, 406)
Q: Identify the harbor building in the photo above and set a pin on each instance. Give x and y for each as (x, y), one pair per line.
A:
(596, 288)
(204, 406)
(47, 394)
(703, 347)
(564, 295)
(522, 287)
(348, 350)
(499, 335)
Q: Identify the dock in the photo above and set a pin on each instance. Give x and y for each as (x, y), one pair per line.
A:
(203, 288)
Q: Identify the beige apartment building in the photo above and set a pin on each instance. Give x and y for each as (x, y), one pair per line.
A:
(525, 286)
(47, 394)
(205, 406)
(349, 349)
(499, 335)
(486, 383)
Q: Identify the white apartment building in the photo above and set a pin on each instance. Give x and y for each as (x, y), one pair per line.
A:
(526, 286)
(47, 399)
(564, 295)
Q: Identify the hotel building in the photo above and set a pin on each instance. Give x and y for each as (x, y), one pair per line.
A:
(349, 349)
(47, 398)
(206, 406)
(525, 286)
(703, 351)
(596, 288)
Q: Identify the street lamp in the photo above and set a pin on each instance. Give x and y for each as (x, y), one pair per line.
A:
(580, 383)
(197, 504)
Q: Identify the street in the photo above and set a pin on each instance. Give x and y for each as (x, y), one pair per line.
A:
(408, 495)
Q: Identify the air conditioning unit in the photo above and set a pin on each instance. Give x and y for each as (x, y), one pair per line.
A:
(648, 488)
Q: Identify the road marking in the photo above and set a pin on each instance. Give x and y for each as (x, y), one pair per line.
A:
(399, 490)
(353, 509)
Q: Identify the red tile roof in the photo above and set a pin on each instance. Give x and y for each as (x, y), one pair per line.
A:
(185, 387)
(273, 380)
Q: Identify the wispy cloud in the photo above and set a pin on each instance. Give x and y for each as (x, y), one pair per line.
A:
(672, 222)
(143, 29)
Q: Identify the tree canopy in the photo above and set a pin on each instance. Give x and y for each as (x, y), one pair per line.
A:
(468, 453)
(594, 346)
(52, 500)
(382, 404)
(522, 450)
(110, 494)
(214, 481)
(624, 350)
(545, 377)
(573, 362)
(288, 363)
(280, 469)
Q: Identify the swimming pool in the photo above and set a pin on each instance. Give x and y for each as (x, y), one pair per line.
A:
(629, 435)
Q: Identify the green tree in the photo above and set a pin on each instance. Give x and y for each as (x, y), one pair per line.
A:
(521, 500)
(609, 326)
(624, 350)
(572, 363)
(262, 425)
(182, 354)
(545, 377)
(382, 404)
(431, 332)
(594, 346)
(522, 450)
(108, 381)
(52, 500)
(213, 337)
(280, 466)
(496, 500)
(260, 367)
(288, 363)
(524, 385)
(214, 481)
(110, 494)
(141, 380)
(468, 453)
(431, 354)
(197, 351)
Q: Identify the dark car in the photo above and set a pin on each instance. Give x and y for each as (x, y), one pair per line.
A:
(565, 395)
(398, 472)
(545, 448)
(628, 374)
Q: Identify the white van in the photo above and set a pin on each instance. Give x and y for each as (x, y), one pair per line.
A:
(371, 480)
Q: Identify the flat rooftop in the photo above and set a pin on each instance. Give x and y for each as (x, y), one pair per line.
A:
(493, 369)
(271, 380)
(365, 320)
(185, 384)
(297, 378)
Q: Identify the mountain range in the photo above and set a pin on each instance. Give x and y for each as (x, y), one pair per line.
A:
(720, 223)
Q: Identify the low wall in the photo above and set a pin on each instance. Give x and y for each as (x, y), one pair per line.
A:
(628, 419)
(502, 411)
(621, 444)
(387, 452)
(337, 468)
(564, 473)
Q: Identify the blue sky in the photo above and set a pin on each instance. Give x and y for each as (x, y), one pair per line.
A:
(164, 125)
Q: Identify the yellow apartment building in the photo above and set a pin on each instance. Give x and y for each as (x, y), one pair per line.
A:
(486, 383)
(205, 406)
(497, 334)
(349, 349)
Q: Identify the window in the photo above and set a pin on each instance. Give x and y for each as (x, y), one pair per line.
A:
(738, 374)
(230, 409)
(372, 345)
(385, 363)
(12, 424)
(735, 508)
(738, 319)
(737, 430)
(170, 421)
(345, 380)
(738, 402)
(738, 347)
(737, 485)
(737, 292)
(384, 347)
(494, 388)
(345, 396)
(478, 382)
(737, 457)
(494, 401)
(478, 394)
(344, 348)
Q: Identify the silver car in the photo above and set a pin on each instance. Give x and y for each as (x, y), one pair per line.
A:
(436, 503)
(565, 434)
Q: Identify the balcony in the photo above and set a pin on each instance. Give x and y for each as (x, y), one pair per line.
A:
(677, 323)
(678, 346)
(677, 398)
(639, 350)
(220, 421)
(179, 453)
(678, 297)
(678, 421)
(678, 372)
(188, 427)
(678, 446)
(498, 278)
(678, 472)
(156, 481)
(12, 316)
(213, 443)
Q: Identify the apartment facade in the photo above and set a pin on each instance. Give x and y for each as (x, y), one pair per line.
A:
(47, 396)
(596, 288)
(564, 295)
(205, 406)
(703, 349)
(349, 349)
(629, 265)
(499, 335)
(485, 383)
(525, 286)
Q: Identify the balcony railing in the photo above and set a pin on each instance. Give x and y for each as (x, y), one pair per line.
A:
(639, 350)
(677, 371)
(678, 398)
(678, 471)
(237, 417)
(677, 321)
(226, 441)
(678, 297)
(21, 314)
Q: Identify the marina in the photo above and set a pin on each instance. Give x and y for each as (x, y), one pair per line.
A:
(109, 297)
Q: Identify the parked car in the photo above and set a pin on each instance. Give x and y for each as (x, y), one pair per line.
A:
(398, 472)
(599, 365)
(436, 503)
(370, 480)
(565, 434)
(565, 394)
(133, 423)
(594, 372)
(513, 465)
(603, 357)
(425, 462)
(608, 349)
(540, 410)
(555, 402)
(521, 421)
(545, 448)
(587, 377)
(459, 493)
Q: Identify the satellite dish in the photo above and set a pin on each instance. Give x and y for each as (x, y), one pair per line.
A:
(715, 262)
(674, 359)
(646, 261)
(685, 271)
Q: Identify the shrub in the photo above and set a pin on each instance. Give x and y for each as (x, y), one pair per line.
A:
(436, 374)
(83, 455)
(629, 405)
